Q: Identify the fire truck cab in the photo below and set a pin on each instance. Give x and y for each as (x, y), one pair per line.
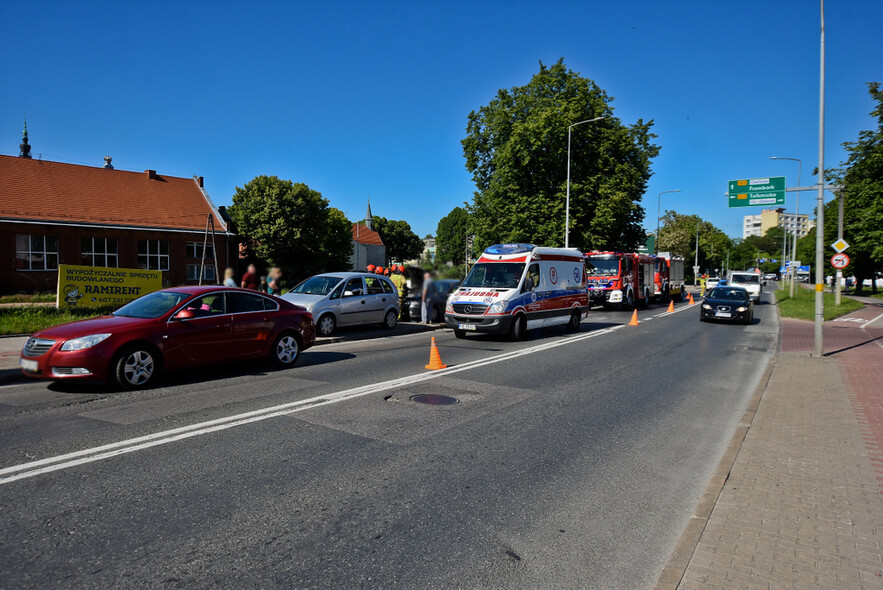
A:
(621, 279)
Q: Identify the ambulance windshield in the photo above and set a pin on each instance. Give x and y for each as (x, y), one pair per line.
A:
(602, 266)
(499, 275)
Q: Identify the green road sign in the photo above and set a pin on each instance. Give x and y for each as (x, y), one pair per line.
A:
(752, 192)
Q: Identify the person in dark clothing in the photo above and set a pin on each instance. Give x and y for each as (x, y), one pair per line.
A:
(250, 278)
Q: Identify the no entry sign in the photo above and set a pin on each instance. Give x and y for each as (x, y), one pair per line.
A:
(839, 261)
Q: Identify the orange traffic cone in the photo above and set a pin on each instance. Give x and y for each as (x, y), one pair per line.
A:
(435, 361)
(691, 299)
(634, 320)
(671, 306)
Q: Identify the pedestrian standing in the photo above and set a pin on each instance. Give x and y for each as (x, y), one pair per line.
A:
(250, 278)
(398, 279)
(229, 281)
(274, 281)
(426, 299)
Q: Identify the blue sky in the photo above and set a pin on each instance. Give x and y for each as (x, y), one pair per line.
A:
(369, 99)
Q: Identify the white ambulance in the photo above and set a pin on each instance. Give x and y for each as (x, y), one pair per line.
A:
(518, 287)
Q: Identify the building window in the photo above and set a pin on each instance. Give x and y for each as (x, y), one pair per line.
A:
(36, 252)
(99, 252)
(194, 250)
(208, 272)
(153, 254)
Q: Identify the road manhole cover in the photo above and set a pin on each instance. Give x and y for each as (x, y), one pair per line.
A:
(434, 399)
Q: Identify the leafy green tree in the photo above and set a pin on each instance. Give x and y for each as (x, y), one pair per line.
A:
(772, 241)
(400, 241)
(516, 150)
(862, 178)
(677, 234)
(290, 225)
(338, 242)
(451, 234)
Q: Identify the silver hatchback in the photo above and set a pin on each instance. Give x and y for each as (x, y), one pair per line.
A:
(347, 299)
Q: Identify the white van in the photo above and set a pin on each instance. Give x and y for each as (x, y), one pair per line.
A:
(518, 287)
(749, 280)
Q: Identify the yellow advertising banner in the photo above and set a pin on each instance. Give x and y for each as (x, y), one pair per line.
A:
(96, 286)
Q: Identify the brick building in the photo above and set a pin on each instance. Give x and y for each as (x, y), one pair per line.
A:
(53, 213)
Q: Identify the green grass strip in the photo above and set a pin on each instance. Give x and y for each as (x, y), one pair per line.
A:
(30, 319)
(803, 306)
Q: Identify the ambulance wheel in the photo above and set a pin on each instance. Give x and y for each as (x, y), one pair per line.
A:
(459, 333)
(575, 319)
(518, 329)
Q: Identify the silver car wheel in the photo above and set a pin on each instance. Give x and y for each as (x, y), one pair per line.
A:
(138, 368)
(326, 325)
(287, 350)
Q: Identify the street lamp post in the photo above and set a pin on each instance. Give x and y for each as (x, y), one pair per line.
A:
(567, 209)
(793, 273)
(658, 211)
(819, 348)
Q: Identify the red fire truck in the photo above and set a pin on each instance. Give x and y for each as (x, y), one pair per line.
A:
(621, 279)
(669, 278)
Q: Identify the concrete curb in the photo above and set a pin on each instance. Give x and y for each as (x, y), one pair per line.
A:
(338, 339)
(674, 570)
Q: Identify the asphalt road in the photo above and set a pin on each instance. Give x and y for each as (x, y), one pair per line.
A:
(570, 461)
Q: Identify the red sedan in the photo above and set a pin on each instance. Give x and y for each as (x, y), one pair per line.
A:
(171, 329)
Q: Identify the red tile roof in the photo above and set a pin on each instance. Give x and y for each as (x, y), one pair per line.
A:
(54, 191)
(363, 235)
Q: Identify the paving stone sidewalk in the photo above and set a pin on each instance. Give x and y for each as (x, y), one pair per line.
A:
(803, 504)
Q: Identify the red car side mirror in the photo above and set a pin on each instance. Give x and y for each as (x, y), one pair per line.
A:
(185, 314)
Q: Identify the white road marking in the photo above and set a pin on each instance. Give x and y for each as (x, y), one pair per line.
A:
(91, 455)
(877, 342)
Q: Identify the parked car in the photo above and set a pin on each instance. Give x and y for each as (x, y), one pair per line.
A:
(170, 329)
(438, 296)
(338, 299)
(731, 304)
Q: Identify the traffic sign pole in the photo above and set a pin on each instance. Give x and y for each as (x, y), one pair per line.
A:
(840, 241)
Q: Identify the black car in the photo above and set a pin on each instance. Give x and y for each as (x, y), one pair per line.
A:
(438, 297)
(729, 304)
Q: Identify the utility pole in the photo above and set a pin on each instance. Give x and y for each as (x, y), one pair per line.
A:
(696, 259)
(658, 213)
(820, 201)
(839, 273)
(567, 206)
(792, 272)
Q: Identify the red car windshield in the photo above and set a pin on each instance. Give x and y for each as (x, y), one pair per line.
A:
(152, 305)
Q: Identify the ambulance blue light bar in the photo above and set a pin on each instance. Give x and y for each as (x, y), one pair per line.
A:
(504, 249)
